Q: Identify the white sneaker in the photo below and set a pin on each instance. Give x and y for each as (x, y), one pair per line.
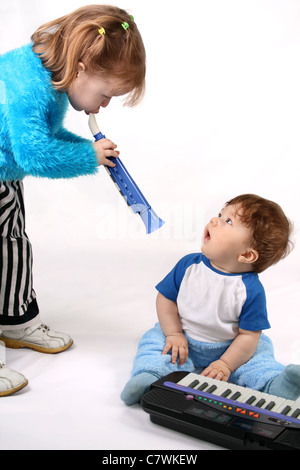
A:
(38, 337)
(10, 381)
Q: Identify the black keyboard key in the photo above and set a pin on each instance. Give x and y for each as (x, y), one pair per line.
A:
(211, 389)
(296, 413)
(285, 410)
(251, 400)
(270, 405)
(226, 393)
(235, 396)
(203, 386)
(260, 403)
(194, 383)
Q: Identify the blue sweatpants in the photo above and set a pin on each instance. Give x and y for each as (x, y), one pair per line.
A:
(254, 374)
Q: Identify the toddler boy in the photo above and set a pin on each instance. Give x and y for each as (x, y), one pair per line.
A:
(212, 306)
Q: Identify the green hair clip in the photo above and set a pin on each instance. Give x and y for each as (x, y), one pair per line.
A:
(125, 25)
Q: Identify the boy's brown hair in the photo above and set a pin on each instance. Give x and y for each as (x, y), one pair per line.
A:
(117, 51)
(270, 228)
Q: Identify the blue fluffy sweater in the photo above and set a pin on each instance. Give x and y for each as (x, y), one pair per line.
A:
(32, 138)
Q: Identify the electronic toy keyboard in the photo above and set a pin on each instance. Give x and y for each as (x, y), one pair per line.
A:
(225, 414)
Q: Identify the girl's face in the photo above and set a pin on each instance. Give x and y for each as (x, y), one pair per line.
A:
(90, 92)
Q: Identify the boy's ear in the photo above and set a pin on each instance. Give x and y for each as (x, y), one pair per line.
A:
(250, 256)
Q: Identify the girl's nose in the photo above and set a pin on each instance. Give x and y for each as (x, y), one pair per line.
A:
(105, 103)
(214, 221)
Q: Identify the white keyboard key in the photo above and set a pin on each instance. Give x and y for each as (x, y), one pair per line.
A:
(280, 404)
(270, 399)
(188, 379)
(285, 407)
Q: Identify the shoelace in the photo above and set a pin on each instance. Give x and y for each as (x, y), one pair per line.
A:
(43, 327)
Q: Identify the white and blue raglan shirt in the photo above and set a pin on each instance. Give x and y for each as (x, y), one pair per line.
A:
(212, 304)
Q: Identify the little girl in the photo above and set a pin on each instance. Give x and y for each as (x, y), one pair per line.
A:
(84, 58)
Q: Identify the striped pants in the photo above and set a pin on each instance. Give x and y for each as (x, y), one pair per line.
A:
(18, 305)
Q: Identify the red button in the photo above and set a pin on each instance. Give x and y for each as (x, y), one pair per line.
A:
(256, 416)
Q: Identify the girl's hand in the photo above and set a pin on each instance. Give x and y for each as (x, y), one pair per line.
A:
(217, 370)
(105, 148)
(179, 345)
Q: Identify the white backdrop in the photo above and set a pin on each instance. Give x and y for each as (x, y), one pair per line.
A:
(221, 117)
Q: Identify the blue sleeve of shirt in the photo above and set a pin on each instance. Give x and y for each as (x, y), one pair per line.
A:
(169, 286)
(254, 316)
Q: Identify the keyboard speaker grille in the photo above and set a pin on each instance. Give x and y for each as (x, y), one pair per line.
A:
(290, 437)
(166, 399)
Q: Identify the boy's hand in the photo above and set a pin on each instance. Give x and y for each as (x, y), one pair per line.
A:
(105, 148)
(217, 370)
(179, 345)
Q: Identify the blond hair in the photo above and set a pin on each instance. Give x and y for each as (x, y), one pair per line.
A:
(119, 53)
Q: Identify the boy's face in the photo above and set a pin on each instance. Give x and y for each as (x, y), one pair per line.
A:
(226, 242)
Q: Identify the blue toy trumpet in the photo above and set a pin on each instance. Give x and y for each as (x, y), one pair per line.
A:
(127, 187)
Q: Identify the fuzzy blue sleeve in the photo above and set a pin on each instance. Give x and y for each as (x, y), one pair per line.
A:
(41, 152)
(34, 114)
(64, 134)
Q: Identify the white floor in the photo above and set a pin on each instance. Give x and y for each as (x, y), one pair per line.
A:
(72, 401)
